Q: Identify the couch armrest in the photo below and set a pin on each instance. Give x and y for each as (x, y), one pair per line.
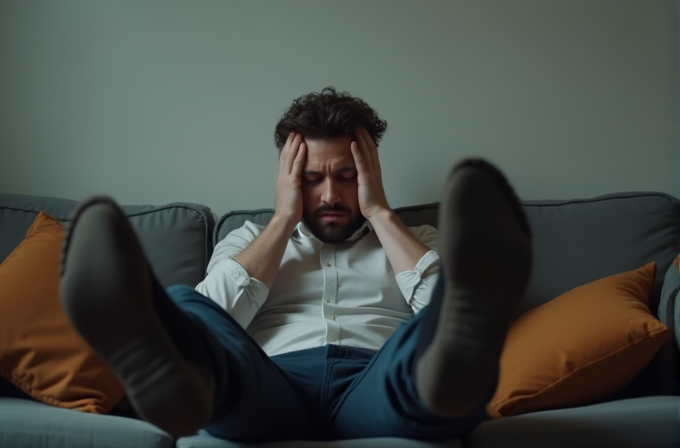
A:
(669, 304)
(669, 315)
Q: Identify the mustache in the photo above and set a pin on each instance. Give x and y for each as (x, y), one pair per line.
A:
(331, 208)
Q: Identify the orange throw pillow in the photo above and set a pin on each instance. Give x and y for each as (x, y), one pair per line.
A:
(581, 347)
(39, 350)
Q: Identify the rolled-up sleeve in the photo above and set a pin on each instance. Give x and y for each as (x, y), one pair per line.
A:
(417, 284)
(228, 284)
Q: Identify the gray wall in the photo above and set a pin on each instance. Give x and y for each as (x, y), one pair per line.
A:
(156, 102)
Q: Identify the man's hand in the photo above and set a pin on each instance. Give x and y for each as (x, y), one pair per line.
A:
(402, 248)
(372, 197)
(288, 202)
(262, 257)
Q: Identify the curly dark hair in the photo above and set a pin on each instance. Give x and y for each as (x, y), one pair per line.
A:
(328, 114)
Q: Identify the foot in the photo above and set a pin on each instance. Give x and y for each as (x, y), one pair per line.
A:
(107, 294)
(486, 256)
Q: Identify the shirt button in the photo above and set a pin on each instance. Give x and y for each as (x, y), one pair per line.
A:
(328, 265)
(333, 317)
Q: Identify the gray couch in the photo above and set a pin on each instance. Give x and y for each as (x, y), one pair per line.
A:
(576, 242)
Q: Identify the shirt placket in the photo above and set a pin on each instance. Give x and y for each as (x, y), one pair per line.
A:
(330, 293)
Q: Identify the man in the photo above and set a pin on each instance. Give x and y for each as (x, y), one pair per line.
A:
(334, 320)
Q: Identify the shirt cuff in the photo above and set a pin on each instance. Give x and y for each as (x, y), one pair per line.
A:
(253, 290)
(409, 281)
(230, 287)
(237, 272)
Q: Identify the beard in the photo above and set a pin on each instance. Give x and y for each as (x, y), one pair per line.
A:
(332, 232)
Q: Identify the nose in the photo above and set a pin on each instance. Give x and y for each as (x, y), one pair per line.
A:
(330, 194)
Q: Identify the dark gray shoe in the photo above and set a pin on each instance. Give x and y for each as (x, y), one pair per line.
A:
(486, 255)
(107, 294)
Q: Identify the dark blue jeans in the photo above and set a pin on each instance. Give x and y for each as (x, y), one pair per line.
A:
(330, 392)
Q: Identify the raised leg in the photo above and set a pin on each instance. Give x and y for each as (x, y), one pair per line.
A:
(108, 293)
(486, 256)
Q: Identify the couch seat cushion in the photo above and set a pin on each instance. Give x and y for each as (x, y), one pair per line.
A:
(27, 423)
(647, 422)
(206, 441)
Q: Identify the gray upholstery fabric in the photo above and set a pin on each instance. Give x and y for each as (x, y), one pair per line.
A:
(203, 441)
(677, 318)
(29, 424)
(234, 220)
(176, 237)
(637, 423)
(669, 298)
(580, 241)
(669, 314)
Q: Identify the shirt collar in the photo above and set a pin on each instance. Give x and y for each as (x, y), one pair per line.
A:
(302, 231)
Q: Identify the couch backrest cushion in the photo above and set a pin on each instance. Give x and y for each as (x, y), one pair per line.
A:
(575, 241)
(177, 237)
(580, 241)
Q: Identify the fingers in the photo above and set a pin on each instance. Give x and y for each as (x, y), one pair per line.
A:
(358, 148)
(358, 158)
(290, 152)
(299, 162)
(288, 200)
(367, 149)
(283, 155)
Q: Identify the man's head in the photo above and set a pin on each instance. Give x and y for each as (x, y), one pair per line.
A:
(328, 114)
(327, 120)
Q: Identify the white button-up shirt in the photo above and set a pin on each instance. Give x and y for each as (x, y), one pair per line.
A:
(343, 294)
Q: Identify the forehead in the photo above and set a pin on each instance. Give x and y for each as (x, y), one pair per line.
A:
(330, 153)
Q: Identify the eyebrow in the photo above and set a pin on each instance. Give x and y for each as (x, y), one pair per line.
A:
(346, 169)
(342, 169)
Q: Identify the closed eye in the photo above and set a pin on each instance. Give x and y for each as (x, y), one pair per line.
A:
(311, 179)
(348, 176)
